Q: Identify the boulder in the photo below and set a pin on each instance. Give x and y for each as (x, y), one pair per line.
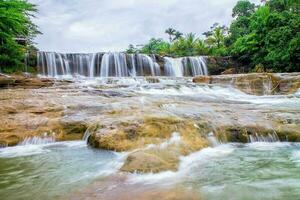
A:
(145, 162)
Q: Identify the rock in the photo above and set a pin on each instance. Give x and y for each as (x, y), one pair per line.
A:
(5, 81)
(241, 134)
(103, 190)
(202, 79)
(10, 140)
(143, 162)
(257, 83)
(127, 136)
(152, 79)
(229, 71)
(158, 132)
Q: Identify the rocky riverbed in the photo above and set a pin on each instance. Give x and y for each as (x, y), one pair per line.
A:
(155, 121)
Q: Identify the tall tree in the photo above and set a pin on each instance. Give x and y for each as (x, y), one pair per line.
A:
(15, 26)
(177, 35)
(170, 32)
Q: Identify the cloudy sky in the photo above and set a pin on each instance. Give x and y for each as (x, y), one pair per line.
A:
(111, 25)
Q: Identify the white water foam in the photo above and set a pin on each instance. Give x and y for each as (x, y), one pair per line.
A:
(187, 163)
(174, 140)
(34, 149)
(296, 157)
(37, 140)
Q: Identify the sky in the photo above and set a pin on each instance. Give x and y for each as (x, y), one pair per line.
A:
(90, 26)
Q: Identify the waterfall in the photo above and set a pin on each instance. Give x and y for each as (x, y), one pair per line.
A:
(37, 140)
(264, 138)
(118, 64)
(86, 135)
(187, 66)
(198, 66)
(174, 67)
(213, 140)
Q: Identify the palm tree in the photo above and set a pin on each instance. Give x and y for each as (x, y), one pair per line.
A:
(190, 40)
(177, 35)
(170, 32)
(217, 37)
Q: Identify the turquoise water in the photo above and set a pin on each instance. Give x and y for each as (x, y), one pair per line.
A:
(266, 171)
(50, 171)
(260, 171)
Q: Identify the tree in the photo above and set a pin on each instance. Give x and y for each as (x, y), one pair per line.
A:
(273, 38)
(131, 49)
(177, 35)
(215, 39)
(156, 46)
(15, 23)
(239, 27)
(170, 32)
(243, 8)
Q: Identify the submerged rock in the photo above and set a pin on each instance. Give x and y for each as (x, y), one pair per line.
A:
(117, 188)
(143, 162)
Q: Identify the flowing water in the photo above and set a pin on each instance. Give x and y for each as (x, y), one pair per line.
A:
(49, 171)
(117, 65)
(229, 171)
(264, 169)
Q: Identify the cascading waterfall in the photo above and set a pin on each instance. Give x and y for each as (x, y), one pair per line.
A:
(264, 138)
(37, 140)
(114, 64)
(187, 66)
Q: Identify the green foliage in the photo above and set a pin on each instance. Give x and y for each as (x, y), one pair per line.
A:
(267, 36)
(272, 38)
(243, 8)
(215, 40)
(156, 46)
(15, 24)
(186, 45)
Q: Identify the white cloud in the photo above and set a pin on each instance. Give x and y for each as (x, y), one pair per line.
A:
(111, 25)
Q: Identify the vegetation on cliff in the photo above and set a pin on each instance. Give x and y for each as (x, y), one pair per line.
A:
(265, 37)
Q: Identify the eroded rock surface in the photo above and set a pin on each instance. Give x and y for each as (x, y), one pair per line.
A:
(156, 121)
(256, 84)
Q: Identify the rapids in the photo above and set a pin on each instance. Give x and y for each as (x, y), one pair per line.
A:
(266, 168)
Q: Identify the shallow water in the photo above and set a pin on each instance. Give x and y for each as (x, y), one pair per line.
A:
(227, 171)
(49, 171)
(266, 171)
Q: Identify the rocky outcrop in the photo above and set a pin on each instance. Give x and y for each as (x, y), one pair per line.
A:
(19, 81)
(158, 148)
(256, 83)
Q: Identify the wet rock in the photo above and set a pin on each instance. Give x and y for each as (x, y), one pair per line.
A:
(152, 79)
(154, 137)
(243, 134)
(144, 162)
(202, 79)
(5, 81)
(257, 83)
(10, 140)
(103, 190)
(151, 130)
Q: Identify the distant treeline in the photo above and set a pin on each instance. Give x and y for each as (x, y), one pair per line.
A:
(265, 37)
